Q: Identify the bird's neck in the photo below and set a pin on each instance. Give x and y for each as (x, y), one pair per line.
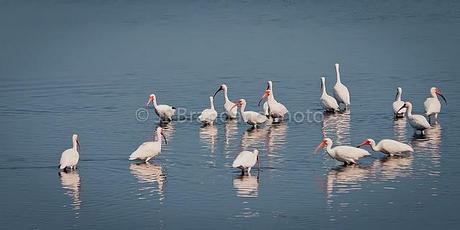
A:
(271, 99)
(398, 96)
(226, 96)
(329, 151)
(433, 94)
(74, 145)
(375, 147)
(155, 105)
(323, 87)
(243, 115)
(338, 74)
(409, 111)
(159, 138)
(211, 103)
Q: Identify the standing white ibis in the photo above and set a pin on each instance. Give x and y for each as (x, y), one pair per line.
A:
(149, 149)
(328, 102)
(276, 110)
(246, 160)
(398, 103)
(418, 122)
(341, 93)
(69, 158)
(250, 117)
(230, 110)
(433, 105)
(208, 116)
(164, 112)
(388, 146)
(279, 110)
(345, 154)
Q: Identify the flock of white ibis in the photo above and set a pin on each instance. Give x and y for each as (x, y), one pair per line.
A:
(274, 112)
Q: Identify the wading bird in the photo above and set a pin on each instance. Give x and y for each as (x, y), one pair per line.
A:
(433, 105)
(164, 112)
(208, 116)
(69, 158)
(276, 110)
(246, 160)
(398, 103)
(228, 105)
(418, 122)
(328, 102)
(345, 154)
(250, 117)
(149, 149)
(388, 146)
(341, 93)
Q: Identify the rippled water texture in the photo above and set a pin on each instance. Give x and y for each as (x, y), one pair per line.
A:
(86, 67)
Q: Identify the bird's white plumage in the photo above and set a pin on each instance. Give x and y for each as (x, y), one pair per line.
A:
(345, 154)
(275, 109)
(208, 116)
(328, 102)
(164, 112)
(418, 122)
(229, 108)
(432, 106)
(246, 160)
(70, 157)
(398, 103)
(389, 146)
(148, 149)
(341, 93)
(251, 117)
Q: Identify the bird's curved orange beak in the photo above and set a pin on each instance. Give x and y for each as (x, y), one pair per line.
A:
(218, 90)
(266, 94)
(320, 146)
(365, 142)
(151, 98)
(164, 138)
(438, 92)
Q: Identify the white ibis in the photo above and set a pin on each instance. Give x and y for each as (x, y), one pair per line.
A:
(388, 146)
(276, 110)
(341, 93)
(432, 104)
(149, 149)
(208, 116)
(272, 108)
(418, 122)
(246, 160)
(164, 112)
(69, 158)
(398, 103)
(228, 105)
(345, 154)
(328, 102)
(250, 117)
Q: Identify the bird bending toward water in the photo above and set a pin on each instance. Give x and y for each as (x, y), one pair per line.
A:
(345, 154)
(149, 149)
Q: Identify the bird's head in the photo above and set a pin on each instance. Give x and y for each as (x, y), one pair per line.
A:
(152, 99)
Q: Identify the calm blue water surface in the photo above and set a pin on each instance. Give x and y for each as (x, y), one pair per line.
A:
(86, 66)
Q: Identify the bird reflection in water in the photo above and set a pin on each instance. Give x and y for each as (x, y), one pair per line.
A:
(344, 179)
(208, 135)
(393, 167)
(246, 185)
(70, 182)
(253, 138)
(147, 176)
(429, 143)
(337, 127)
(230, 133)
(399, 128)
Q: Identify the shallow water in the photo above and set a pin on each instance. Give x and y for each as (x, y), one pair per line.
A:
(87, 67)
